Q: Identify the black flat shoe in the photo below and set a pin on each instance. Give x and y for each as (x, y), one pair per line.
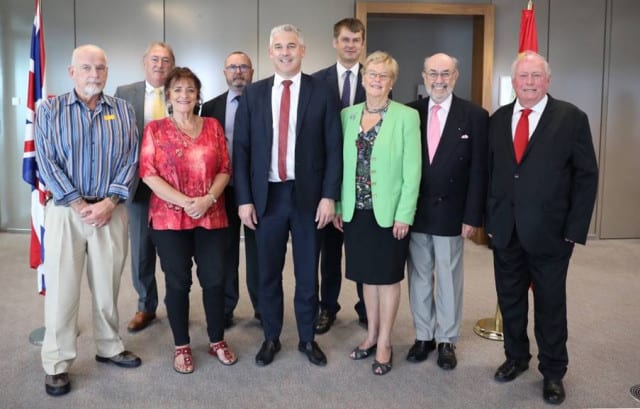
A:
(325, 321)
(124, 359)
(553, 392)
(313, 352)
(420, 350)
(510, 370)
(359, 353)
(57, 385)
(267, 352)
(447, 355)
(382, 368)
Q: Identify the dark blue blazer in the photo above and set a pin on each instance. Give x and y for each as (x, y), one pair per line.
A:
(453, 187)
(330, 76)
(549, 196)
(318, 151)
(216, 108)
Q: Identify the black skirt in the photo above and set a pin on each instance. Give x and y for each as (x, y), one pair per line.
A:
(373, 255)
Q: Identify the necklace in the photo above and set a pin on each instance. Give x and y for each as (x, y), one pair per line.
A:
(376, 110)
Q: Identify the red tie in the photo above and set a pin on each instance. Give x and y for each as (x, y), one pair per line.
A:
(521, 137)
(283, 129)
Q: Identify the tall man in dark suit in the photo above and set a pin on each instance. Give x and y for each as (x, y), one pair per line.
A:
(238, 72)
(345, 80)
(287, 165)
(147, 98)
(450, 209)
(543, 180)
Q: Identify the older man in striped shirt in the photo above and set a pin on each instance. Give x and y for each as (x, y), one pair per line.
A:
(87, 152)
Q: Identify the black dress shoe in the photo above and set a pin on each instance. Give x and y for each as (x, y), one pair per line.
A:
(267, 352)
(510, 369)
(57, 385)
(325, 320)
(447, 355)
(124, 359)
(553, 391)
(228, 320)
(313, 352)
(420, 350)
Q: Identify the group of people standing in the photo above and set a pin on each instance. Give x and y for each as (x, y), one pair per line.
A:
(324, 159)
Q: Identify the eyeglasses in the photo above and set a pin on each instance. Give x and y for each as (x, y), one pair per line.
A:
(241, 68)
(372, 75)
(433, 75)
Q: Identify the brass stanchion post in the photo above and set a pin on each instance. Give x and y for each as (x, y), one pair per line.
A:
(490, 328)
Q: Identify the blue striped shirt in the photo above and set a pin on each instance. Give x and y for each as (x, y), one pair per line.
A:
(83, 152)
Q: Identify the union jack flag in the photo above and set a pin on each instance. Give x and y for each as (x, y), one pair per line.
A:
(36, 92)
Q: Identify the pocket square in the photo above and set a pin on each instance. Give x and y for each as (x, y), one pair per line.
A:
(465, 136)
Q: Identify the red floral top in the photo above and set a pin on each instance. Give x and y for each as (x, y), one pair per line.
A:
(189, 166)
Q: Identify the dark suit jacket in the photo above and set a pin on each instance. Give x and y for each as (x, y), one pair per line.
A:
(318, 151)
(134, 94)
(330, 76)
(453, 187)
(216, 108)
(550, 195)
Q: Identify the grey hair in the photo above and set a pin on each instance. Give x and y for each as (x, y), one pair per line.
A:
(286, 28)
(530, 54)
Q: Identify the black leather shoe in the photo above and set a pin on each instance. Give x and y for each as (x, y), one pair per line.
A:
(510, 369)
(420, 350)
(313, 352)
(124, 359)
(553, 392)
(267, 352)
(447, 355)
(57, 385)
(228, 320)
(325, 320)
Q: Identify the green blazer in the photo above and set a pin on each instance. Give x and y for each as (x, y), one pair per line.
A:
(396, 164)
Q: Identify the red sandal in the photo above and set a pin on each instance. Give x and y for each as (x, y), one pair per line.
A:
(227, 357)
(187, 359)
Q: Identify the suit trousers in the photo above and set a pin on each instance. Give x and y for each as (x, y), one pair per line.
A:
(143, 256)
(516, 269)
(177, 249)
(69, 244)
(232, 258)
(331, 273)
(436, 278)
(283, 215)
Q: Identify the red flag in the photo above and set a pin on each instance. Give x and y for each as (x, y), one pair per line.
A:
(528, 32)
(36, 92)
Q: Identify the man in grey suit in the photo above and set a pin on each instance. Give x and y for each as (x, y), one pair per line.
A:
(147, 98)
(238, 72)
(450, 208)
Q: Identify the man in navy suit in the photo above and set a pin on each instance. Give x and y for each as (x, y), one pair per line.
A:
(543, 178)
(450, 208)
(158, 61)
(287, 165)
(344, 75)
(238, 72)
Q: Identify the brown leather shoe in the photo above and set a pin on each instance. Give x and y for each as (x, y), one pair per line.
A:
(140, 321)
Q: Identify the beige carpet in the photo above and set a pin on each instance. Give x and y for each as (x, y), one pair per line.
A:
(604, 349)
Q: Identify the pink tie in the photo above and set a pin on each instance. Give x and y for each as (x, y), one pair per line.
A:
(521, 137)
(283, 129)
(433, 133)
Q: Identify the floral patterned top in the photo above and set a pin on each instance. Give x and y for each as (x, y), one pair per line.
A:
(363, 167)
(187, 164)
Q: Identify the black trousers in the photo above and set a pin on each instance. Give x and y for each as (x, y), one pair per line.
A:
(232, 258)
(177, 249)
(516, 269)
(282, 217)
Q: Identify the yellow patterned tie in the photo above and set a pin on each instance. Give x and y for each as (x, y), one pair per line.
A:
(158, 109)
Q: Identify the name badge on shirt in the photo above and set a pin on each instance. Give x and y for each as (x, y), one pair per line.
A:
(109, 117)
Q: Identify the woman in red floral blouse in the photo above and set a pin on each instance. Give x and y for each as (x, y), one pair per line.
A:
(184, 160)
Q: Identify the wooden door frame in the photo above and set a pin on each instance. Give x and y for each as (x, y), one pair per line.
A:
(483, 36)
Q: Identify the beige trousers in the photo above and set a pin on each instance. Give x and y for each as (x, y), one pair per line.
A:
(69, 245)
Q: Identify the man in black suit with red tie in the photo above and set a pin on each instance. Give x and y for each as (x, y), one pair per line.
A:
(287, 166)
(345, 80)
(238, 72)
(543, 178)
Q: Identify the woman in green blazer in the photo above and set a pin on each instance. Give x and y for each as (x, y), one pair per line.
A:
(381, 179)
